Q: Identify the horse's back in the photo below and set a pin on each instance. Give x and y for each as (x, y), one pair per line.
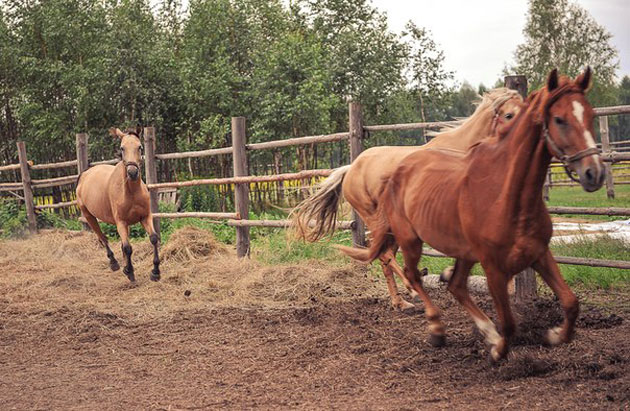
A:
(93, 194)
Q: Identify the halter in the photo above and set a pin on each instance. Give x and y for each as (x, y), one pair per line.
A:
(556, 151)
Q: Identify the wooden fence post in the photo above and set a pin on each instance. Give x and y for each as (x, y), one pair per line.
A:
(525, 281)
(356, 146)
(28, 191)
(241, 191)
(151, 172)
(82, 161)
(603, 131)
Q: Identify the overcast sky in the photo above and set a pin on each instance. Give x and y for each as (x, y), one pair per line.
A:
(479, 37)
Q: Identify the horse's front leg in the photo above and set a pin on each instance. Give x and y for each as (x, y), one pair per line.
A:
(498, 286)
(147, 223)
(550, 273)
(123, 232)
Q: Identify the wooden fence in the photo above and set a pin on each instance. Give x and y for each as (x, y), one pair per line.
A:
(239, 218)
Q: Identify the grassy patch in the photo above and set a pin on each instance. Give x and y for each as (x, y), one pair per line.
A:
(577, 197)
(603, 247)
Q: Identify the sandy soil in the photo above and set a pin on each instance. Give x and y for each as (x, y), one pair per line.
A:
(74, 335)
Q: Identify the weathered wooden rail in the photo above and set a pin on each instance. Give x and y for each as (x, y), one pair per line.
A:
(240, 217)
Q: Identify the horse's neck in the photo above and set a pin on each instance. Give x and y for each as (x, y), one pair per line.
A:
(473, 130)
(524, 159)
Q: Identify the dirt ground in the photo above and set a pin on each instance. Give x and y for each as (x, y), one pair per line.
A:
(74, 335)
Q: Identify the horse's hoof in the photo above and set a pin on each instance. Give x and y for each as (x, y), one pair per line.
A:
(437, 340)
(446, 275)
(403, 305)
(129, 275)
(424, 272)
(155, 277)
(553, 336)
(114, 266)
(494, 357)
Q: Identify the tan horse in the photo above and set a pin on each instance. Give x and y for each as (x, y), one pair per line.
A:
(487, 207)
(117, 195)
(363, 181)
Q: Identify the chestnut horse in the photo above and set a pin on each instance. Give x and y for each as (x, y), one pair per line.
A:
(487, 207)
(363, 181)
(117, 195)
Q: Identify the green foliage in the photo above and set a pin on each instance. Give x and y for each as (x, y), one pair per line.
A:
(563, 35)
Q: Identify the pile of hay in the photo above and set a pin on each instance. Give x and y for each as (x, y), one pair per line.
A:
(190, 243)
(55, 270)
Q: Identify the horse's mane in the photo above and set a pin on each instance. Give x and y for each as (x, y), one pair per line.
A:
(490, 99)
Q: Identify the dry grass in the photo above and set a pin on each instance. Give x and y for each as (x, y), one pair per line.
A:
(59, 271)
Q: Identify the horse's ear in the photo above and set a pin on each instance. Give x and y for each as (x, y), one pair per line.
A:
(585, 80)
(552, 80)
(139, 130)
(115, 132)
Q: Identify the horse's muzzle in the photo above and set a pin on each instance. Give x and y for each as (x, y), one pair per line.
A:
(592, 173)
(133, 171)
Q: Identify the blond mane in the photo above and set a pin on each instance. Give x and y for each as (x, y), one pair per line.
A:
(492, 99)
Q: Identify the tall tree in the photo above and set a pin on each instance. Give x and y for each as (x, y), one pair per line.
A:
(563, 35)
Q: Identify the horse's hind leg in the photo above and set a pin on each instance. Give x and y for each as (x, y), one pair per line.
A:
(412, 251)
(93, 223)
(458, 286)
(397, 301)
(549, 271)
(147, 223)
(123, 231)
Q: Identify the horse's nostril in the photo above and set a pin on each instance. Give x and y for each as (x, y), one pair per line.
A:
(589, 175)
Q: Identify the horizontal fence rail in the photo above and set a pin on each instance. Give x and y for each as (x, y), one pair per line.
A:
(242, 180)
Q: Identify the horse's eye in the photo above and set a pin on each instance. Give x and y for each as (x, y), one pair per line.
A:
(509, 116)
(559, 121)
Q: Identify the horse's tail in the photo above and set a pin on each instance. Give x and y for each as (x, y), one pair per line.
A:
(315, 217)
(382, 239)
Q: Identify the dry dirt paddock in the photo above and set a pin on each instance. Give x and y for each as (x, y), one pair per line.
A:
(74, 335)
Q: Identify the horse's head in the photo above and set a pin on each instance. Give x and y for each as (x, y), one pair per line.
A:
(130, 150)
(568, 127)
(505, 115)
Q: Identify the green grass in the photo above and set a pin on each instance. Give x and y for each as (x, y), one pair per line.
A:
(576, 197)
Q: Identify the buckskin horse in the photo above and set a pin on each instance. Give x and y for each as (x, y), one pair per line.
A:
(363, 181)
(117, 195)
(487, 207)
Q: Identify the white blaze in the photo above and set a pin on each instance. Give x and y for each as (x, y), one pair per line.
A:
(578, 111)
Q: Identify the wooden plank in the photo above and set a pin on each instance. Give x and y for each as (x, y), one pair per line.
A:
(243, 179)
(48, 166)
(590, 262)
(52, 182)
(241, 190)
(612, 110)
(10, 167)
(325, 138)
(603, 130)
(198, 215)
(11, 186)
(151, 170)
(609, 211)
(28, 191)
(342, 225)
(411, 126)
(190, 154)
(56, 205)
(83, 163)
(525, 281)
(355, 126)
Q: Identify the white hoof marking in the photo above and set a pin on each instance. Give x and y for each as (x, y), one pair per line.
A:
(554, 336)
